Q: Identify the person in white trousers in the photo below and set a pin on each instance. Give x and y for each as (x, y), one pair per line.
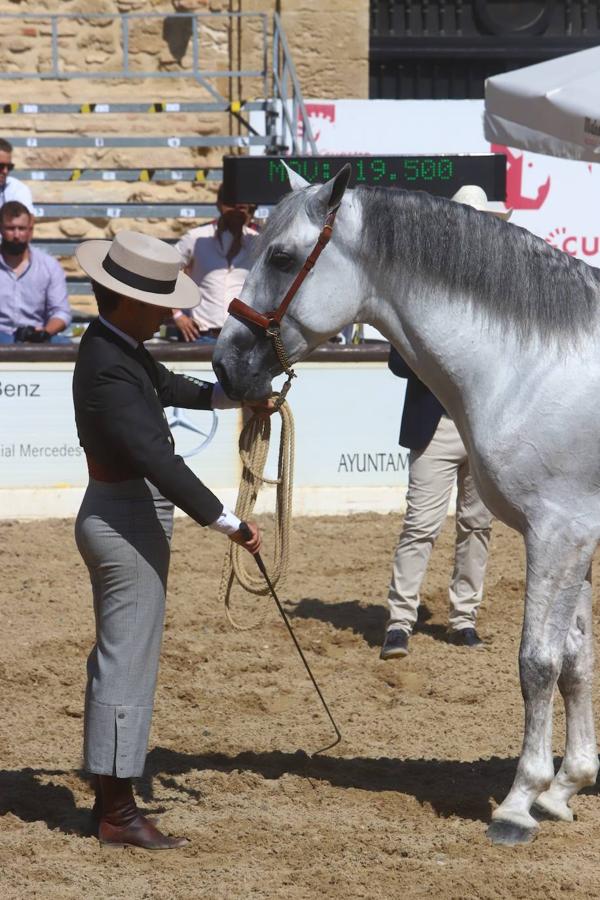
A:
(438, 459)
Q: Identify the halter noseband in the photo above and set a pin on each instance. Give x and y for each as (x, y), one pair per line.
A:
(271, 321)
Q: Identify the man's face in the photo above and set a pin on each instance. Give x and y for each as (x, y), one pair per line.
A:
(236, 215)
(17, 230)
(146, 318)
(6, 166)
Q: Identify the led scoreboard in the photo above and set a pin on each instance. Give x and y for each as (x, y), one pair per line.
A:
(263, 179)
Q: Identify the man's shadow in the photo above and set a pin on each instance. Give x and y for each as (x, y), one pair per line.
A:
(32, 796)
(367, 621)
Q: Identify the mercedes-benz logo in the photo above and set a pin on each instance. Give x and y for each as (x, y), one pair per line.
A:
(179, 419)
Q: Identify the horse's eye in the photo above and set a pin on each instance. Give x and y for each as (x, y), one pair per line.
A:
(281, 260)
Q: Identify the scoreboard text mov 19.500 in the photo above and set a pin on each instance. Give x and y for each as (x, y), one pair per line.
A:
(263, 179)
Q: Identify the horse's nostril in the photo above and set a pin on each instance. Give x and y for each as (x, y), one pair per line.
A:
(223, 379)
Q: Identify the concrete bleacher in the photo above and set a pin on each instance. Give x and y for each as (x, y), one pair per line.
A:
(172, 187)
(101, 154)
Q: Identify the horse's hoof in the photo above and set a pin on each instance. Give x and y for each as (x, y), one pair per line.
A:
(501, 831)
(554, 810)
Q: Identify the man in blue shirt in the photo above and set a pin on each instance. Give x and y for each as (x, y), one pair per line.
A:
(34, 305)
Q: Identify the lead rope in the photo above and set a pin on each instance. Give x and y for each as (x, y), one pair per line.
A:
(254, 448)
(238, 566)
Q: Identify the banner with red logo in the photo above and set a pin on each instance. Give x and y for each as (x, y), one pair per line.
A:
(559, 200)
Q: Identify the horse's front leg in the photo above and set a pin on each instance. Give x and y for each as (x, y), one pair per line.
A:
(580, 764)
(556, 567)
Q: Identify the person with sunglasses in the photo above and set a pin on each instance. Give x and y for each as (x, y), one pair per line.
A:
(11, 188)
(217, 257)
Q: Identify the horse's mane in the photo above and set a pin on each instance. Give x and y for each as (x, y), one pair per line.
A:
(513, 277)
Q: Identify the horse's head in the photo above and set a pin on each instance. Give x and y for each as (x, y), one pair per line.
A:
(244, 359)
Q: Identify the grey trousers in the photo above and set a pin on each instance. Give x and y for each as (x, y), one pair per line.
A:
(123, 532)
(432, 473)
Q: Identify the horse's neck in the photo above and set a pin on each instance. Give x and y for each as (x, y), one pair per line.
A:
(437, 340)
(440, 338)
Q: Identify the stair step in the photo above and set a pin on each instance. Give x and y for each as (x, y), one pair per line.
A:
(131, 175)
(197, 140)
(125, 210)
(162, 106)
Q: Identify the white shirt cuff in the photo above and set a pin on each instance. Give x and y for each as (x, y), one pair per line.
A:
(220, 400)
(227, 523)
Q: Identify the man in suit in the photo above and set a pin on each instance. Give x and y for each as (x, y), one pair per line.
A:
(124, 526)
(437, 461)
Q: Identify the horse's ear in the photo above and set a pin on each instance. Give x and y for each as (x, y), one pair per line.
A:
(329, 196)
(297, 182)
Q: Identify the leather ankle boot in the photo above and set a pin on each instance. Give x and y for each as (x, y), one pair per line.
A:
(121, 822)
(96, 812)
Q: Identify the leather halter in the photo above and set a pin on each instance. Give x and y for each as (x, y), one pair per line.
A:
(271, 321)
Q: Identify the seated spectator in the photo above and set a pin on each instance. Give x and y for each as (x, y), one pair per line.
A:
(34, 306)
(11, 188)
(217, 258)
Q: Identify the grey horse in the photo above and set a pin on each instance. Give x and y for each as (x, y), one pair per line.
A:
(505, 330)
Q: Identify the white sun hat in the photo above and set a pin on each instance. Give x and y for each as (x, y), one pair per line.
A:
(475, 196)
(140, 267)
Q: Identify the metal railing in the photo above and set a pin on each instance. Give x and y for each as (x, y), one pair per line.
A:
(280, 110)
(288, 96)
(287, 127)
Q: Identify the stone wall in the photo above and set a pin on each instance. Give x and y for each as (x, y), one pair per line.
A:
(328, 43)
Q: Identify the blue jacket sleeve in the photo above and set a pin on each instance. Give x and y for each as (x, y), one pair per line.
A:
(57, 299)
(397, 365)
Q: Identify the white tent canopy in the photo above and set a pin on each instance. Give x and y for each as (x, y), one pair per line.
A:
(552, 107)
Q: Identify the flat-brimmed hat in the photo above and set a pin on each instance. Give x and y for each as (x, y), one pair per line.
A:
(475, 196)
(140, 267)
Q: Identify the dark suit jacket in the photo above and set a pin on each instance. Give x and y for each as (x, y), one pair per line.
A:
(119, 394)
(422, 410)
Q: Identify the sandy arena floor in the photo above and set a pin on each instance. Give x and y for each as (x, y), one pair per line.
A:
(398, 809)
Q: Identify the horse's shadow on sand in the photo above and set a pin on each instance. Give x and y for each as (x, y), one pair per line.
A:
(367, 621)
(449, 787)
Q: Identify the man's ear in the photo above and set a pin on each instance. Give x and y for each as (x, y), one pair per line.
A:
(329, 195)
(297, 182)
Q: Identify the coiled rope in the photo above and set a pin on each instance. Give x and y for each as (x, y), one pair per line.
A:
(238, 566)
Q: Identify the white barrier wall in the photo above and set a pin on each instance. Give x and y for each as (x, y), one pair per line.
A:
(347, 420)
